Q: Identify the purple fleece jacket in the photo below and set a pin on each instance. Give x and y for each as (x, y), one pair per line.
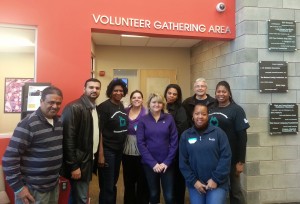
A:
(157, 141)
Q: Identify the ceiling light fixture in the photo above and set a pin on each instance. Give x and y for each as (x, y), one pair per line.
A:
(133, 36)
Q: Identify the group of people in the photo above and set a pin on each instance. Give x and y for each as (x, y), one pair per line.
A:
(198, 144)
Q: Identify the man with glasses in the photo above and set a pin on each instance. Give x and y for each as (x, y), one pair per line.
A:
(200, 96)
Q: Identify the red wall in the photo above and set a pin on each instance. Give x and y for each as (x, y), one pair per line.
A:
(64, 30)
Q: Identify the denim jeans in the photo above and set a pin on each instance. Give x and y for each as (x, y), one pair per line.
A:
(79, 192)
(50, 197)
(167, 182)
(109, 175)
(216, 196)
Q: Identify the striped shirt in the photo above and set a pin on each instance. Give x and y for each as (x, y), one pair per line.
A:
(34, 154)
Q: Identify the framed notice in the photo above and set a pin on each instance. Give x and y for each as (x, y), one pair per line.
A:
(31, 96)
(283, 118)
(282, 35)
(273, 77)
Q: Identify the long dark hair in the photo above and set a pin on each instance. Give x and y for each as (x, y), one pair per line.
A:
(179, 93)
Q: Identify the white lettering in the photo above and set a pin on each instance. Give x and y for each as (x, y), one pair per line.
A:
(219, 29)
(159, 25)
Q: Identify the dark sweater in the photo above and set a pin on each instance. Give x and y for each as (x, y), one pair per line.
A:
(34, 154)
(205, 156)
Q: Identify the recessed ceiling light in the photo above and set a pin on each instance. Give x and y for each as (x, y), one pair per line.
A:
(134, 36)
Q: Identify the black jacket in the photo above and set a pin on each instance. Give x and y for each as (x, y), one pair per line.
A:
(190, 103)
(180, 118)
(78, 138)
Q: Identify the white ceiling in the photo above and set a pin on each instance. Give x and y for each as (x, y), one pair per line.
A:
(98, 39)
(24, 35)
(119, 40)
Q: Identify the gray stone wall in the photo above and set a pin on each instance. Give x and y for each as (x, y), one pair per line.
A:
(272, 173)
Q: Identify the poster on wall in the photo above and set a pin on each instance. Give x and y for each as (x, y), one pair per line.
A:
(34, 96)
(13, 94)
(283, 118)
(31, 96)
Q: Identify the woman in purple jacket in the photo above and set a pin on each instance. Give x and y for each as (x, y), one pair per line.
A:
(135, 183)
(157, 143)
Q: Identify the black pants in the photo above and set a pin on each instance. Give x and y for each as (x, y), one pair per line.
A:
(135, 183)
(179, 184)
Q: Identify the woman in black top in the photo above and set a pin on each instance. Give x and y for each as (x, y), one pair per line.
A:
(173, 97)
(231, 118)
(113, 133)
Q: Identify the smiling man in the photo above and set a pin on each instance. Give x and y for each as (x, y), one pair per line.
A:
(200, 97)
(33, 158)
(81, 140)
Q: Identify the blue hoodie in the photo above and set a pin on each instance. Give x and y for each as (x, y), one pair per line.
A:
(205, 156)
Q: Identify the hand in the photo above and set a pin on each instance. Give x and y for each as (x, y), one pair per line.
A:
(101, 161)
(239, 167)
(200, 187)
(211, 185)
(157, 168)
(163, 167)
(25, 196)
(76, 174)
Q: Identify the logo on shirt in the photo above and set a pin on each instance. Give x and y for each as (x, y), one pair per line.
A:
(192, 140)
(211, 139)
(214, 121)
(122, 121)
(245, 120)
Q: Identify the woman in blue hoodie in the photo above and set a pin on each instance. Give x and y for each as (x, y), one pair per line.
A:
(204, 160)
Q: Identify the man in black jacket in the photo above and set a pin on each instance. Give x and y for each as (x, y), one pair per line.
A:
(81, 140)
(200, 96)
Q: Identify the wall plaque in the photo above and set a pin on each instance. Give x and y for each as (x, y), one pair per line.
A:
(283, 118)
(273, 77)
(282, 35)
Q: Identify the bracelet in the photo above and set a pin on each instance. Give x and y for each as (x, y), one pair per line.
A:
(18, 191)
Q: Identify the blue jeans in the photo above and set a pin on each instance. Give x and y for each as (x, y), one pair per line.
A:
(216, 196)
(79, 192)
(167, 182)
(109, 175)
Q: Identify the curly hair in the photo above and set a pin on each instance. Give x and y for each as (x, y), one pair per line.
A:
(113, 83)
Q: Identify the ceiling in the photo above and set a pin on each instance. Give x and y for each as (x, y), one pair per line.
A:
(141, 41)
(17, 39)
(98, 38)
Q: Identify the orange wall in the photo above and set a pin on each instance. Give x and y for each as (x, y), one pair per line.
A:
(64, 30)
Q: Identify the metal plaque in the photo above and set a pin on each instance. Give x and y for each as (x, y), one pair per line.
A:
(273, 77)
(282, 35)
(283, 118)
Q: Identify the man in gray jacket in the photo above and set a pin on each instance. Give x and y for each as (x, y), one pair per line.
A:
(81, 140)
